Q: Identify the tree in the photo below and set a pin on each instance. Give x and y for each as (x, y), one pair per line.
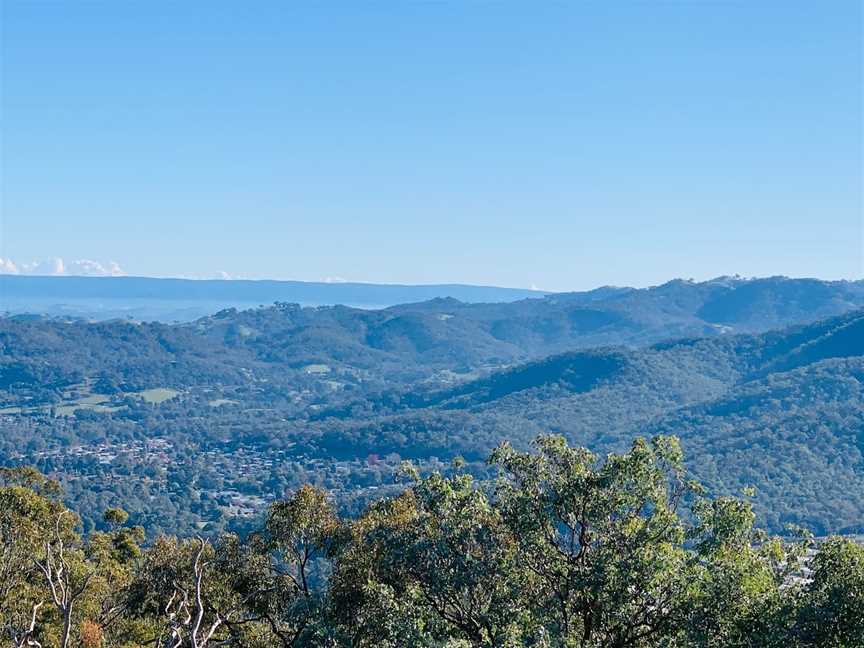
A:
(66, 572)
(454, 559)
(29, 512)
(300, 537)
(603, 542)
(563, 550)
(832, 608)
(741, 575)
(186, 601)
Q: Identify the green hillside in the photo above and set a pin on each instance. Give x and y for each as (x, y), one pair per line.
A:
(195, 425)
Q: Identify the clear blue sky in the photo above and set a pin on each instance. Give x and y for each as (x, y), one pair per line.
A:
(565, 145)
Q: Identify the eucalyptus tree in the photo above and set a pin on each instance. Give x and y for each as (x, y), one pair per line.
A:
(35, 582)
(291, 560)
(602, 541)
(435, 564)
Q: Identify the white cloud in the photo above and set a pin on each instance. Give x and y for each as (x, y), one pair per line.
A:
(89, 268)
(7, 266)
(57, 267)
(115, 269)
(45, 267)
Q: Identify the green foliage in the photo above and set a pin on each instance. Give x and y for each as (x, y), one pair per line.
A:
(563, 550)
(272, 398)
(832, 613)
(56, 587)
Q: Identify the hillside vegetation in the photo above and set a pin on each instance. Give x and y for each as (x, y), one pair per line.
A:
(564, 550)
(197, 426)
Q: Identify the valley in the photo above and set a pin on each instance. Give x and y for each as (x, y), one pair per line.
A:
(181, 424)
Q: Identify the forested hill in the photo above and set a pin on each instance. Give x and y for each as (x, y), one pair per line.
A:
(739, 358)
(675, 308)
(782, 412)
(407, 342)
(190, 425)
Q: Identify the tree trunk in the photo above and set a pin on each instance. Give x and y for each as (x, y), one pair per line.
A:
(67, 626)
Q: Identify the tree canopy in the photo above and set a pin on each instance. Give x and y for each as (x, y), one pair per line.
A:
(561, 549)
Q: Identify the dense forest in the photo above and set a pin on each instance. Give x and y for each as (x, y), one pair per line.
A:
(562, 549)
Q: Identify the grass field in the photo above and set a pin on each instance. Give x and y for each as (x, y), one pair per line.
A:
(81, 398)
(158, 395)
(92, 402)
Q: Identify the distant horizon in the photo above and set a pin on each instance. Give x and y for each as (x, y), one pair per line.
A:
(399, 283)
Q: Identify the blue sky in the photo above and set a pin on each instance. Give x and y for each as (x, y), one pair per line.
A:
(562, 145)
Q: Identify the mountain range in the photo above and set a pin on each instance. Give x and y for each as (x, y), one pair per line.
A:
(724, 301)
(782, 412)
(763, 380)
